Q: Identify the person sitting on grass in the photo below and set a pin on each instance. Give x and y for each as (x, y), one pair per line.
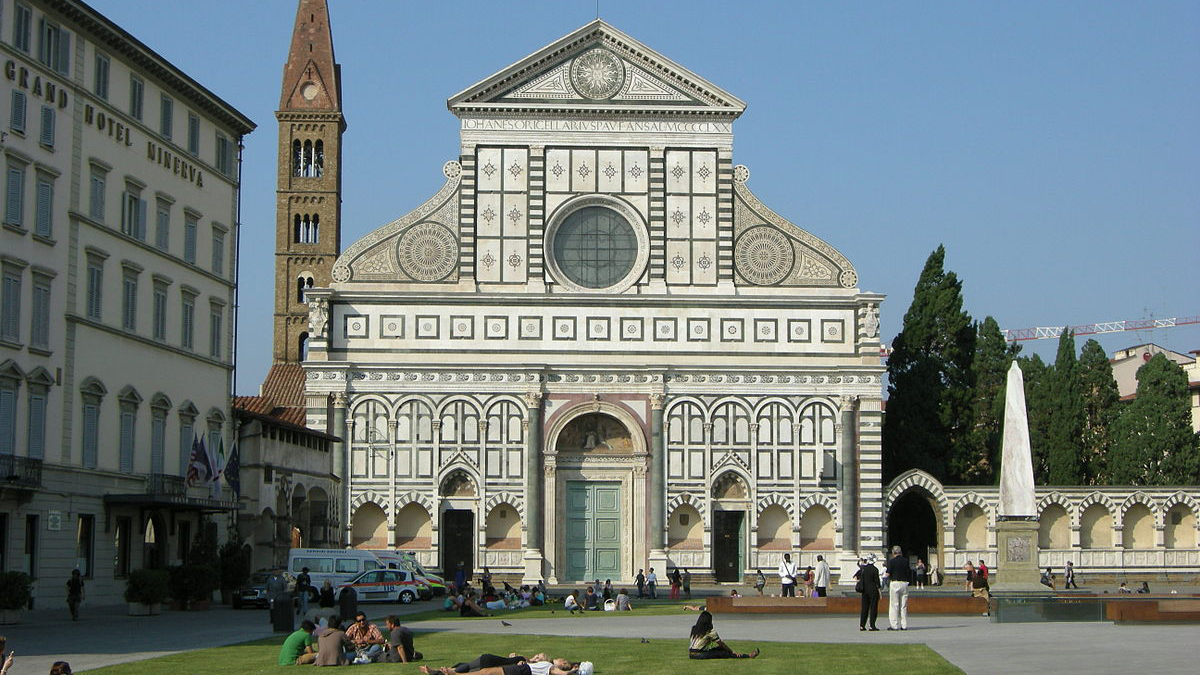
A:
(365, 637)
(330, 643)
(591, 601)
(470, 607)
(400, 647)
(623, 604)
(706, 644)
(298, 647)
(534, 666)
(571, 603)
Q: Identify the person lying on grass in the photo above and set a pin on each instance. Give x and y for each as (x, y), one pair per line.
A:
(706, 644)
(538, 664)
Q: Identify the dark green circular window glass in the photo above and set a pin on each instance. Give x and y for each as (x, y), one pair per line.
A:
(595, 247)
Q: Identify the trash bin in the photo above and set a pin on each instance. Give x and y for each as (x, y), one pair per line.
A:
(348, 603)
(283, 620)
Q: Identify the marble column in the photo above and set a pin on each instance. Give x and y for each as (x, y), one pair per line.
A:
(534, 557)
(657, 488)
(341, 461)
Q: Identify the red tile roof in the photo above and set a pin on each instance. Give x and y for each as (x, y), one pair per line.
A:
(284, 385)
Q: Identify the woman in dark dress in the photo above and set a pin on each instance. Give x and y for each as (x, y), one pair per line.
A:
(868, 586)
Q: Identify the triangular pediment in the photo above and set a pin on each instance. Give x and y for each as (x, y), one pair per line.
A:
(309, 90)
(597, 68)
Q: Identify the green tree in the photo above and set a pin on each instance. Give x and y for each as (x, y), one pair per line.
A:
(1038, 406)
(1101, 402)
(1153, 441)
(1064, 431)
(978, 460)
(929, 376)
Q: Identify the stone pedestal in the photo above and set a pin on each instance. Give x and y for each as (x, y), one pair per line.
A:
(1016, 558)
(533, 567)
(659, 561)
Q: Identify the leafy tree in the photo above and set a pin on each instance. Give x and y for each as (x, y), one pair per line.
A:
(978, 460)
(1064, 430)
(1038, 405)
(929, 376)
(1101, 402)
(1153, 441)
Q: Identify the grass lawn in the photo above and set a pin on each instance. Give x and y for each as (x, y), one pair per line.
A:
(641, 608)
(611, 655)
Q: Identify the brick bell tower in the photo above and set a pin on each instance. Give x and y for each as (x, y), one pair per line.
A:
(308, 233)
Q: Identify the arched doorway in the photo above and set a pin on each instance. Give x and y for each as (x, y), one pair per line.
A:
(457, 531)
(914, 524)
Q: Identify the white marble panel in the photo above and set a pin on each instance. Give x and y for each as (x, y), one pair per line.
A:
(516, 169)
(610, 170)
(675, 463)
(704, 266)
(678, 166)
(516, 215)
(489, 164)
(514, 464)
(679, 213)
(558, 170)
(487, 215)
(679, 262)
(704, 172)
(487, 260)
(516, 260)
(553, 201)
(637, 165)
(583, 170)
(641, 203)
(704, 217)
(695, 464)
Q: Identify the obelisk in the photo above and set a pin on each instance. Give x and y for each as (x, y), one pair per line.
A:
(1017, 524)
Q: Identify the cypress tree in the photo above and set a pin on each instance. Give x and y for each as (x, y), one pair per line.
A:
(1100, 407)
(1064, 431)
(979, 459)
(929, 376)
(1038, 406)
(1153, 441)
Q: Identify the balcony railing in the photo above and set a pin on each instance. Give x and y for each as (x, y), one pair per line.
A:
(165, 484)
(22, 472)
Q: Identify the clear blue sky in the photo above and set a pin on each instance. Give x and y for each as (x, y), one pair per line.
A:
(1053, 147)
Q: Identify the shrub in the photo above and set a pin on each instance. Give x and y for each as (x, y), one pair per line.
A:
(15, 590)
(147, 587)
(193, 582)
(235, 564)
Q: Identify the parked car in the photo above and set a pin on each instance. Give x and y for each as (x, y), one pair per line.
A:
(254, 592)
(388, 586)
(408, 561)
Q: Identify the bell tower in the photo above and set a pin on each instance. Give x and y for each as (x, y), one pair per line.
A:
(308, 196)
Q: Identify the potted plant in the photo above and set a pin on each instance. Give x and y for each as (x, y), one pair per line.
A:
(15, 595)
(191, 585)
(145, 592)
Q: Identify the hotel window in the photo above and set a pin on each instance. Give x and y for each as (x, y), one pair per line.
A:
(224, 154)
(8, 414)
(128, 429)
(129, 293)
(47, 138)
(43, 222)
(100, 77)
(39, 325)
(137, 94)
(96, 194)
(218, 250)
(166, 113)
(55, 47)
(10, 304)
(133, 212)
(162, 225)
(187, 425)
(160, 310)
(193, 139)
(91, 425)
(14, 195)
(158, 433)
(95, 286)
(16, 118)
(187, 320)
(85, 546)
(22, 27)
(190, 224)
(215, 338)
(37, 421)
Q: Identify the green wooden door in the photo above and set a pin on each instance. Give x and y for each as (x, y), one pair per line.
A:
(593, 530)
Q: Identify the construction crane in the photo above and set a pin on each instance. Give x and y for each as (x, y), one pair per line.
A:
(1053, 332)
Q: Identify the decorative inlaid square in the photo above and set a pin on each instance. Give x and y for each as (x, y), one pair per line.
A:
(356, 326)
(495, 327)
(391, 326)
(833, 330)
(766, 330)
(666, 329)
(598, 327)
(732, 330)
(564, 328)
(462, 327)
(698, 330)
(428, 327)
(631, 328)
(530, 327)
(799, 330)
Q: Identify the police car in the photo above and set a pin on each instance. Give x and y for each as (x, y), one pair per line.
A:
(387, 586)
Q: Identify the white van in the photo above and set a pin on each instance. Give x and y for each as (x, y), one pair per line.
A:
(338, 565)
(408, 561)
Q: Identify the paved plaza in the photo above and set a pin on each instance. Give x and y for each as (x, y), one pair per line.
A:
(106, 636)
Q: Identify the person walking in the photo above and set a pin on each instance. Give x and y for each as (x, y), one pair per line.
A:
(687, 584)
(868, 588)
(676, 583)
(1069, 576)
(74, 593)
(899, 573)
(822, 580)
(787, 577)
(640, 580)
(652, 584)
(921, 574)
(303, 590)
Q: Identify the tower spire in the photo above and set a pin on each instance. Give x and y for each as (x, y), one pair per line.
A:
(311, 77)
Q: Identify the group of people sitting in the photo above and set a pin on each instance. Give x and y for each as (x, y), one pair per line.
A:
(332, 644)
(467, 602)
(591, 601)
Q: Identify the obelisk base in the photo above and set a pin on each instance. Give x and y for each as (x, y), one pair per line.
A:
(1016, 558)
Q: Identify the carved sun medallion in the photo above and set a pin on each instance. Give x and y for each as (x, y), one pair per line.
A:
(597, 74)
(763, 255)
(428, 252)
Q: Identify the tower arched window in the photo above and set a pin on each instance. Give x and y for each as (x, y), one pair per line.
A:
(297, 235)
(314, 229)
(319, 160)
(308, 159)
(302, 346)
(307, 228)
(297, 159)
(303, 283)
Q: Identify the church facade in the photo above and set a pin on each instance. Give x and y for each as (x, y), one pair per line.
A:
(594, 350)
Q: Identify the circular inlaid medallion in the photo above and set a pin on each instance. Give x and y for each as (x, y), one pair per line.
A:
(427, 252)
(597, 74)
(763, 255)
(309, 90)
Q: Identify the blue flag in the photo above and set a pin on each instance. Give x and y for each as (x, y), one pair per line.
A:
(232, 470)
